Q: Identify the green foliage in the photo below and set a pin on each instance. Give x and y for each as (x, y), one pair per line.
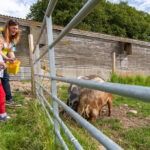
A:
(133, 80)
(38, 10)
(115, 19)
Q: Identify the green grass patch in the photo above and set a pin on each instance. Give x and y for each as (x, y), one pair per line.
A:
(63, 92)
(133, 80)
(84, 138)
(138, 138)
(111, 123)
(28, 128)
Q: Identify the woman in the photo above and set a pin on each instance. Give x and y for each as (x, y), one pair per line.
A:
(11, 36)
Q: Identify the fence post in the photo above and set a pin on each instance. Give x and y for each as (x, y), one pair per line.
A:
(53, 73)
(35, 71)
(113, 62)
(39, 72)
(31, 48)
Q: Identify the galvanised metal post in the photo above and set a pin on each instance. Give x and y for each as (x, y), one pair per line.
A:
(39, 72)
(52, 73)
(49, 10)
(35, 71)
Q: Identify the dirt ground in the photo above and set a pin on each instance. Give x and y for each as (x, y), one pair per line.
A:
(121, 114)
(117, 112)
(17, 86)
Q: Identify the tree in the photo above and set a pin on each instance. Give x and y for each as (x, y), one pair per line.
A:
(38, 10)
(116, 19)
(63, 12)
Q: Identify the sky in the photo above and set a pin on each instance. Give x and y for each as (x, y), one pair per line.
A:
(20, 8)
(143, 5)
(16, 8)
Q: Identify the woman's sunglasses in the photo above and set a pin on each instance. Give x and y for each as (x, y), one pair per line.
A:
(13, 22)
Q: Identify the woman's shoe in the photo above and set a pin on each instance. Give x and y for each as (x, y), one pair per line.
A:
(11, 102)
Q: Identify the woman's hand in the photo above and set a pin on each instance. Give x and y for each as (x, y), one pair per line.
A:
(11, 60)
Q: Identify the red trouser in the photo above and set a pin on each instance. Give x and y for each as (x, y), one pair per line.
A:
(2, 99)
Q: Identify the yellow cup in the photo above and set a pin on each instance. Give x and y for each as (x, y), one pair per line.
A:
(13, 68)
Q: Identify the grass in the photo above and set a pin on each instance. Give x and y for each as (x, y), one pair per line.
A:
(133, 80)
(62, 92)
(141, 107)
(136, 138)
(139, 137)
(28, 129)
(112, 123)
(80, 133)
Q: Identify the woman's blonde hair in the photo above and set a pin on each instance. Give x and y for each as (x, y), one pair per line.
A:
(6, 33)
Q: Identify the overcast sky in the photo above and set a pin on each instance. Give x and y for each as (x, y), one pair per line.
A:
(20, 8)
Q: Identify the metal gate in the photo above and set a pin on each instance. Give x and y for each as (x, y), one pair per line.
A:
(137, 92)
